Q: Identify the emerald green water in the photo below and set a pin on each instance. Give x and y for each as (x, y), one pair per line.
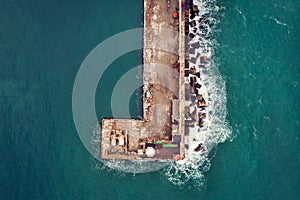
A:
(43, 44)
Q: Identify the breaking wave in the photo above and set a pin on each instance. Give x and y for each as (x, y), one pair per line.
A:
(215, 129)
(190, 171)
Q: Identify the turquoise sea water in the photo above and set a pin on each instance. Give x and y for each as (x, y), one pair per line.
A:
(42, 46)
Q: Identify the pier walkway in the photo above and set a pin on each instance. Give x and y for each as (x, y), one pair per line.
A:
(160, 135)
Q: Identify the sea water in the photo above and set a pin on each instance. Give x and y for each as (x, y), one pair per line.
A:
(256, 56)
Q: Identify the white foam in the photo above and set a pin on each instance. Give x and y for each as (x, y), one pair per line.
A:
(215, 130)
(190, 170)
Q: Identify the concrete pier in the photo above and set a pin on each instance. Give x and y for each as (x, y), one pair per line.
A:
(160, 135)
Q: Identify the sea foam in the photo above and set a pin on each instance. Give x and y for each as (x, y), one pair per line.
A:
(190, 171)
(215, 130)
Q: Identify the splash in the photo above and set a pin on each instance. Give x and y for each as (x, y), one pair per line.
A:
(190, 171)
(215, 129)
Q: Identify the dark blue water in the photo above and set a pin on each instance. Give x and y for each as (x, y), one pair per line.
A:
(42, 46)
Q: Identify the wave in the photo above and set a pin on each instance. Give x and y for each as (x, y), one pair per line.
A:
(215, 129)
(191, 170)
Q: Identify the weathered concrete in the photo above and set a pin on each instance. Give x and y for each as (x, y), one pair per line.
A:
(162, 83)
